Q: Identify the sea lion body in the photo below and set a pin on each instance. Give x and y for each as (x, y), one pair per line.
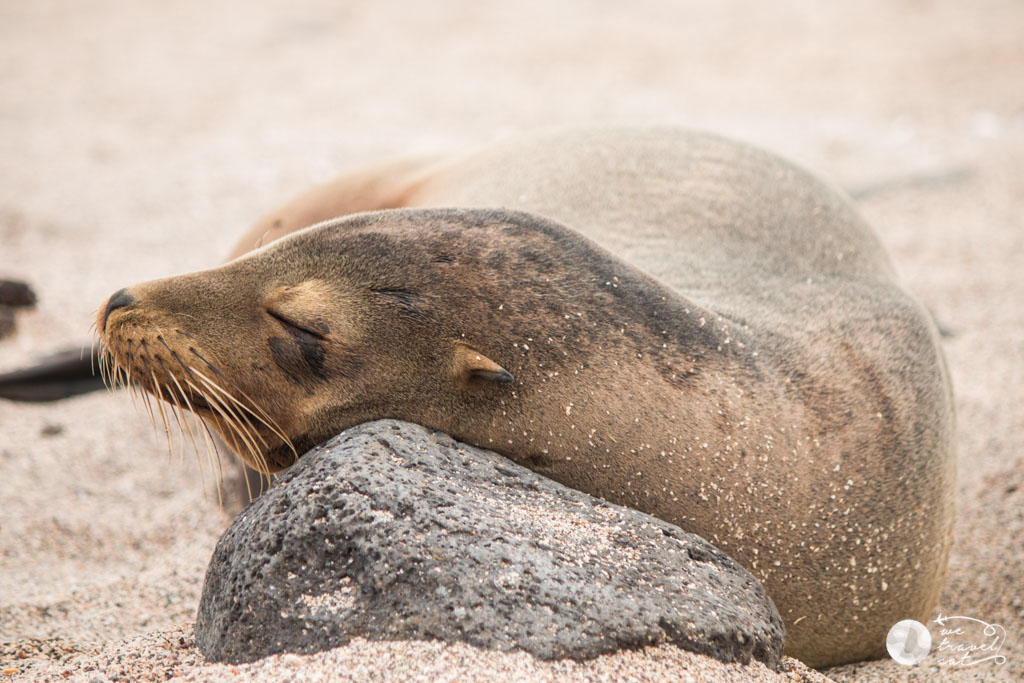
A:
(665, 319)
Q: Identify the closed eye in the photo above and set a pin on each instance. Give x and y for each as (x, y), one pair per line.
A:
(316, 330)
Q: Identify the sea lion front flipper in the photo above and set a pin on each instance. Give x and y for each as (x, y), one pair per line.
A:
(62, 375)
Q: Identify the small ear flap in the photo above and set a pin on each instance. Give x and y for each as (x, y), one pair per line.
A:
(471, 364)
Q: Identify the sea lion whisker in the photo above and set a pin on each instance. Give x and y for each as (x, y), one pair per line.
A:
(185, 427)
(160, 410)
(202, 471)
(245, 431)
(179, 414)
(117, 369)
(106, 369)
(177, 408)
(253, 407)
(174, 355)
(135, 391)
(204, 430)
(116, 372)
(241, 436)
(123, 371)
(219, 415)
(163, 411)
(242, 410)
(101, 362)
(189, 373)
(214, 453)
(211, 453)
(188, 406)
(160, 394)
(110, 370)
(134, 398)
(110, 367)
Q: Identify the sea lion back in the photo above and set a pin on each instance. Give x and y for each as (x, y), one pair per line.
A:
(693, 209)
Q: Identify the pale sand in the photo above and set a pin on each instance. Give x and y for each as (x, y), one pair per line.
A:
(140, 142)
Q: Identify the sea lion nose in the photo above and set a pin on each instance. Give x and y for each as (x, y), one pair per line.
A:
(118, 299)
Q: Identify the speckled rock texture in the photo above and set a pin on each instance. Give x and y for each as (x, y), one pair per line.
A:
(390, 531)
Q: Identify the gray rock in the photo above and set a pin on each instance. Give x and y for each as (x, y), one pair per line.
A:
(391, 531)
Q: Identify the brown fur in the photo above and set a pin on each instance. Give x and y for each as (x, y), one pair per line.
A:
(740, 361)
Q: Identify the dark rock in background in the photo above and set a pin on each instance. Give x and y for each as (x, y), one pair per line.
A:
(7, 322)
(13, 295)
(16, 294)
(391, 531)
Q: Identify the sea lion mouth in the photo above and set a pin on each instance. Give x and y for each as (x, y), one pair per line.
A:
(189, 382)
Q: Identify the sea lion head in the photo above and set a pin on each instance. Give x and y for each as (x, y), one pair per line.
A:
(385, 314)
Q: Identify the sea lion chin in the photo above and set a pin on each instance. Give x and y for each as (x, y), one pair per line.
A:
(664, 319)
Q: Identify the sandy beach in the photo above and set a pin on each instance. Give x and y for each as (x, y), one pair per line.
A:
(140, 140)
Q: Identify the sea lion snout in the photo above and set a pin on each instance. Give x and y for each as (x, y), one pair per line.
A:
(119, 299)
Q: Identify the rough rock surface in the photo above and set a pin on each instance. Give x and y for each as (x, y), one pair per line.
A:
(392, 531)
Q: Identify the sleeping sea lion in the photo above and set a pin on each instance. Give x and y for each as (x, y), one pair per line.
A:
(662, 318)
